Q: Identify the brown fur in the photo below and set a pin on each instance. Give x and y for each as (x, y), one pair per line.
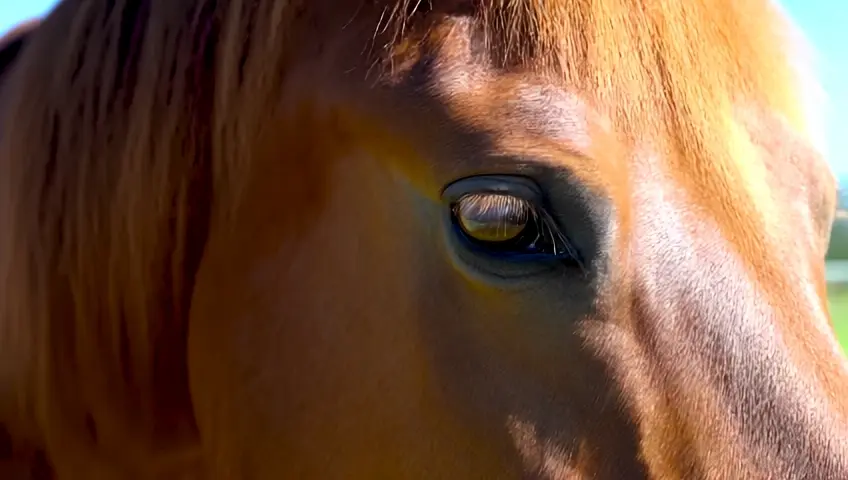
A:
(132, 139)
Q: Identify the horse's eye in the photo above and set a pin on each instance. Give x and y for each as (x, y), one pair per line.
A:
(492, 217)
(499, 218)
(510, 226)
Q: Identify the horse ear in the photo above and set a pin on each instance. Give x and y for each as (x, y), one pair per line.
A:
(12, 43)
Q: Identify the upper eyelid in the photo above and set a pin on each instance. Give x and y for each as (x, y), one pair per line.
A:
(518, 185)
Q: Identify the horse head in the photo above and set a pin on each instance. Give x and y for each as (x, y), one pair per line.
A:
(395, 239)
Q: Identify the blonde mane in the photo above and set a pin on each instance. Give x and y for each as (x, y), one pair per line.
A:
(130, 130)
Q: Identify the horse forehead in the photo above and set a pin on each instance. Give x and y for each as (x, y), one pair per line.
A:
(522, 111)
(562, 119)
(509, 102)
(545, 111)
(554, 112)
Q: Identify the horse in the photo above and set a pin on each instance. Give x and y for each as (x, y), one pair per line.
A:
(561, 239)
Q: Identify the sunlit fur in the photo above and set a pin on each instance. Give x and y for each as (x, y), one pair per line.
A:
(129, 132)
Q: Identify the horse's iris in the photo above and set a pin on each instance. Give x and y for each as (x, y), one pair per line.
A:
(493, 217)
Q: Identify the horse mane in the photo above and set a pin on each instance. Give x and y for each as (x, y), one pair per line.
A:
(128, 136)
(107, 180)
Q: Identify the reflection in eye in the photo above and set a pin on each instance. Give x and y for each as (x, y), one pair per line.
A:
(512, 226)
(493, 217)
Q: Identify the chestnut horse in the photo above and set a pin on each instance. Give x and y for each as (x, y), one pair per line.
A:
(391, 239)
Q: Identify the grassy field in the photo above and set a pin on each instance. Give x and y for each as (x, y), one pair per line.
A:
(839, 311)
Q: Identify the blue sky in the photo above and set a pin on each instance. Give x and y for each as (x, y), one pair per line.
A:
(13, 11)
(825, 23)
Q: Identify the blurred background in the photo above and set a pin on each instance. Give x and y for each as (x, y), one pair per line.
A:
(824, 22)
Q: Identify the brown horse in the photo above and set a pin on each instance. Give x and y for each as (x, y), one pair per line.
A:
(455, 239)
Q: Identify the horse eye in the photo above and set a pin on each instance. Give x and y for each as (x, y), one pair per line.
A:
(493, 217)
(510, 226)
(504, 217)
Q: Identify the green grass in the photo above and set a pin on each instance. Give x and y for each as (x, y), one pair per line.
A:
(838, 296)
